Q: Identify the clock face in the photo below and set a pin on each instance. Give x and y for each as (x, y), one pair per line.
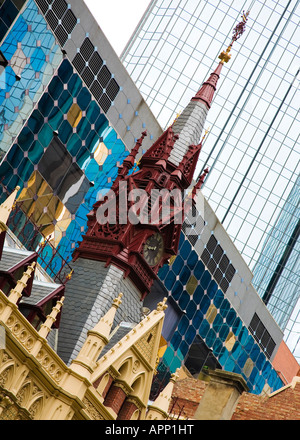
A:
(154, 249)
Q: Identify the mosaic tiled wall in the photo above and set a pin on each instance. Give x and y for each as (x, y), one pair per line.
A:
(58, 144)
(32, 56)
(9, 9)
(64, 155)
(207, 313)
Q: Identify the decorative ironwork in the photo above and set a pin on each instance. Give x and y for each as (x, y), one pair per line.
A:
(237, 32)
(240, 27)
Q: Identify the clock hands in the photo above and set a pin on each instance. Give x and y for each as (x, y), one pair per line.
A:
(152, 248)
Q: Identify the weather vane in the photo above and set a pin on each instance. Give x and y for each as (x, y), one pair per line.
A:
(237, 32)
(240, 28)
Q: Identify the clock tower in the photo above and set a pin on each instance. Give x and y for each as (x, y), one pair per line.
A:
(136, 227)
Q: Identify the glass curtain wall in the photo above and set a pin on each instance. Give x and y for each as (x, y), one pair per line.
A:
(252, 148)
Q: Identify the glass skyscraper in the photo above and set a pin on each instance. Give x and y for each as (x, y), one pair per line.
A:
(277, 270)
(252, 149)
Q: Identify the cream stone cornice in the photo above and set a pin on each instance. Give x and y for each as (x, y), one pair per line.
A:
(28, 339)
(72, 397)
(63, 393)
(92, 396)
(40, 359)
(44, 379)
(137, 401)
(123, 385)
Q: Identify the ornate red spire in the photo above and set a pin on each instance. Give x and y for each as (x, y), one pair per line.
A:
(208, 88)
(201, 180)
(136, 227)
(162, 147)
(183, 175)
(129, 160)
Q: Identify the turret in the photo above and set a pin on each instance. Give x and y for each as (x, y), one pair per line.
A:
(158, 410)
(97, 338)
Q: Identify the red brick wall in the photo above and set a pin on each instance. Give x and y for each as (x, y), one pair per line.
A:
(115, 398)
(186, 396)
(127, 410)
(284, 405)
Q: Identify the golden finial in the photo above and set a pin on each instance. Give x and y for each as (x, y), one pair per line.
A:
(205, 134)
(237, 32)
(44, 242)
(136, 165)
(117, 301)
(176, 117)
(225, 55)
(172, 259)
(69, 276)
(161, 306)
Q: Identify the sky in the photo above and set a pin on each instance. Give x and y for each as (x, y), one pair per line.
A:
(110, 17)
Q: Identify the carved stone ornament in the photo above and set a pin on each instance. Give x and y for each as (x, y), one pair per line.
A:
(91, 410)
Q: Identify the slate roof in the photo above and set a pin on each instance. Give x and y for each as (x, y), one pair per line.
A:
(40, 288)
(11, 257)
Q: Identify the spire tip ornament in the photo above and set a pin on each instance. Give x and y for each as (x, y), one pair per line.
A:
(161, 306)
(237, 32)
(117, 301)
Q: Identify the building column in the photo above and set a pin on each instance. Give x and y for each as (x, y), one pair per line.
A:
(107, 386)
(127, 410)
(221, 396)
(116, 396)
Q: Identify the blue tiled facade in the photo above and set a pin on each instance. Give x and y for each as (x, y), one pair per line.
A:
(33, 55)
(28, 149)
(52, 101)
(242, 355)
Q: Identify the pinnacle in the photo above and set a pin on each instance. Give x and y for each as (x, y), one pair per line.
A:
(206, 92)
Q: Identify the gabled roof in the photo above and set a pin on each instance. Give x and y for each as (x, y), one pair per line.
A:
(14, 260)
(12, 257)
(133, 358)
(37, 292)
